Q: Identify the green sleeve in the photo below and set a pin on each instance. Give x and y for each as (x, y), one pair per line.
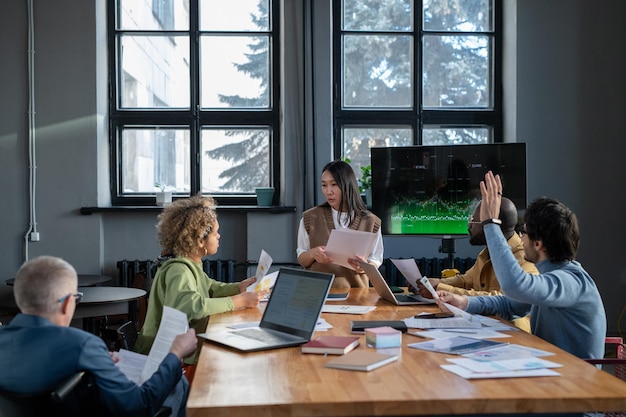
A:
(222, 289)
(194, 295)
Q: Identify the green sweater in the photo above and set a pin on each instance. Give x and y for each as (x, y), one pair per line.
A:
(182, 284)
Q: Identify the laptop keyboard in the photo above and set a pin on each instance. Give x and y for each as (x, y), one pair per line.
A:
(262, 336)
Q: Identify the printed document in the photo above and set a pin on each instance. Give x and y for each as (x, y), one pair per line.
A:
(138, 367)
(408, 268)
(344, 244)
(263, 281)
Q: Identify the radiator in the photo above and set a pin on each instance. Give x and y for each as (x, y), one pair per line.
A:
(139, 274)
(430, 267)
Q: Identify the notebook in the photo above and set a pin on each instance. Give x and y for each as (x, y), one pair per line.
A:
(290, 315)
(382, 288)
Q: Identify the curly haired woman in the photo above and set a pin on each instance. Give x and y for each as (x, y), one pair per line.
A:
(188, 231)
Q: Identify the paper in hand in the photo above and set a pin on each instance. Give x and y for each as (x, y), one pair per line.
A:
(267, 283)
(408, 268)
(344, 244)
(265, 261)
(263, 281)
(173, 323)
(426, 283)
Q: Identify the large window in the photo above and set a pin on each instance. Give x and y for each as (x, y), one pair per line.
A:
(193, 98)
(415, 72)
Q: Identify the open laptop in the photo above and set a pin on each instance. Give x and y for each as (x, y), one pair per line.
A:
(381, 287)
(290, 315)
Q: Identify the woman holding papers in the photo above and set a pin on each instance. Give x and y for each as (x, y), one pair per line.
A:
(343, 209)
(188, 231)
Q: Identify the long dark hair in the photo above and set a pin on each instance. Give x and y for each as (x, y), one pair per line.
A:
(351, 201)
(555, 225)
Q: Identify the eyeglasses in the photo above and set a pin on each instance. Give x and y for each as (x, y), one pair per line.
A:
(78, 296)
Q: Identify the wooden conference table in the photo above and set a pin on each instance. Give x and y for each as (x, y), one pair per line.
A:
(286, 382)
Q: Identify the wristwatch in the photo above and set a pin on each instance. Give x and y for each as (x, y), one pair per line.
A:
(489, 221)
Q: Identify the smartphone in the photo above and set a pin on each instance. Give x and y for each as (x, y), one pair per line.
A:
(396, 290)
(440, 315)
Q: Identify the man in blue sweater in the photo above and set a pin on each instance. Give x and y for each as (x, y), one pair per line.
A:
(563, 301)
(38, 350)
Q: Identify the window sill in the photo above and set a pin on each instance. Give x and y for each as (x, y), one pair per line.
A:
(155, 209)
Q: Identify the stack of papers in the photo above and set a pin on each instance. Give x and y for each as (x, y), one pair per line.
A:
(456, 345)
(474, 321)
(511, 368)
(508, 361)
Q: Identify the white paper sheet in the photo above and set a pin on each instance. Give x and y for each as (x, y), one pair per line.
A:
(266, 283)
(512, 351)
(476, 333)
(173, 323)
(346, 309)
(467, 374)
(504, 365)
(446, 323)
(265, 262)
(344, 244)
(408, 268)
(456, 345)
(131, 364)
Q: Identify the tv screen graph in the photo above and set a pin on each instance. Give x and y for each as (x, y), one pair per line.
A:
(433, 190)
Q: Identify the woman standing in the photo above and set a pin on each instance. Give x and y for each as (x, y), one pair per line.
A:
(343, 208)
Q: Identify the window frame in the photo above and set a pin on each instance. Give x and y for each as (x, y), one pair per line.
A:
(194, 118)
(417, 116)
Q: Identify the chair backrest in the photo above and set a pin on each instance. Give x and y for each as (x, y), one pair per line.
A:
(128, 335)
(76, 396)
(616, 362)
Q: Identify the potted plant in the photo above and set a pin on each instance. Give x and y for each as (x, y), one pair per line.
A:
(365, 185)
(163, 198)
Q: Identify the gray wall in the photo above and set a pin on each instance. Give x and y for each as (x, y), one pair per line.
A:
(564, 96)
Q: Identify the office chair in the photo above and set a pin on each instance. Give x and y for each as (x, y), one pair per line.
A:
(76, 396)
(127, 333)
(615, 366)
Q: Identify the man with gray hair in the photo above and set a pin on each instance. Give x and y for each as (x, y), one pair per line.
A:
(39, 350)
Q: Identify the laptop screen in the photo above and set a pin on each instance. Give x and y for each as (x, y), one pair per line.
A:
(296, 301)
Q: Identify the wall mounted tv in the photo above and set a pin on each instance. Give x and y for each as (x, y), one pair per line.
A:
(433, 190)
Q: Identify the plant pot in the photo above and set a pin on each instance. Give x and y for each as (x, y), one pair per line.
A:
(164, 198)
(264, 196)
